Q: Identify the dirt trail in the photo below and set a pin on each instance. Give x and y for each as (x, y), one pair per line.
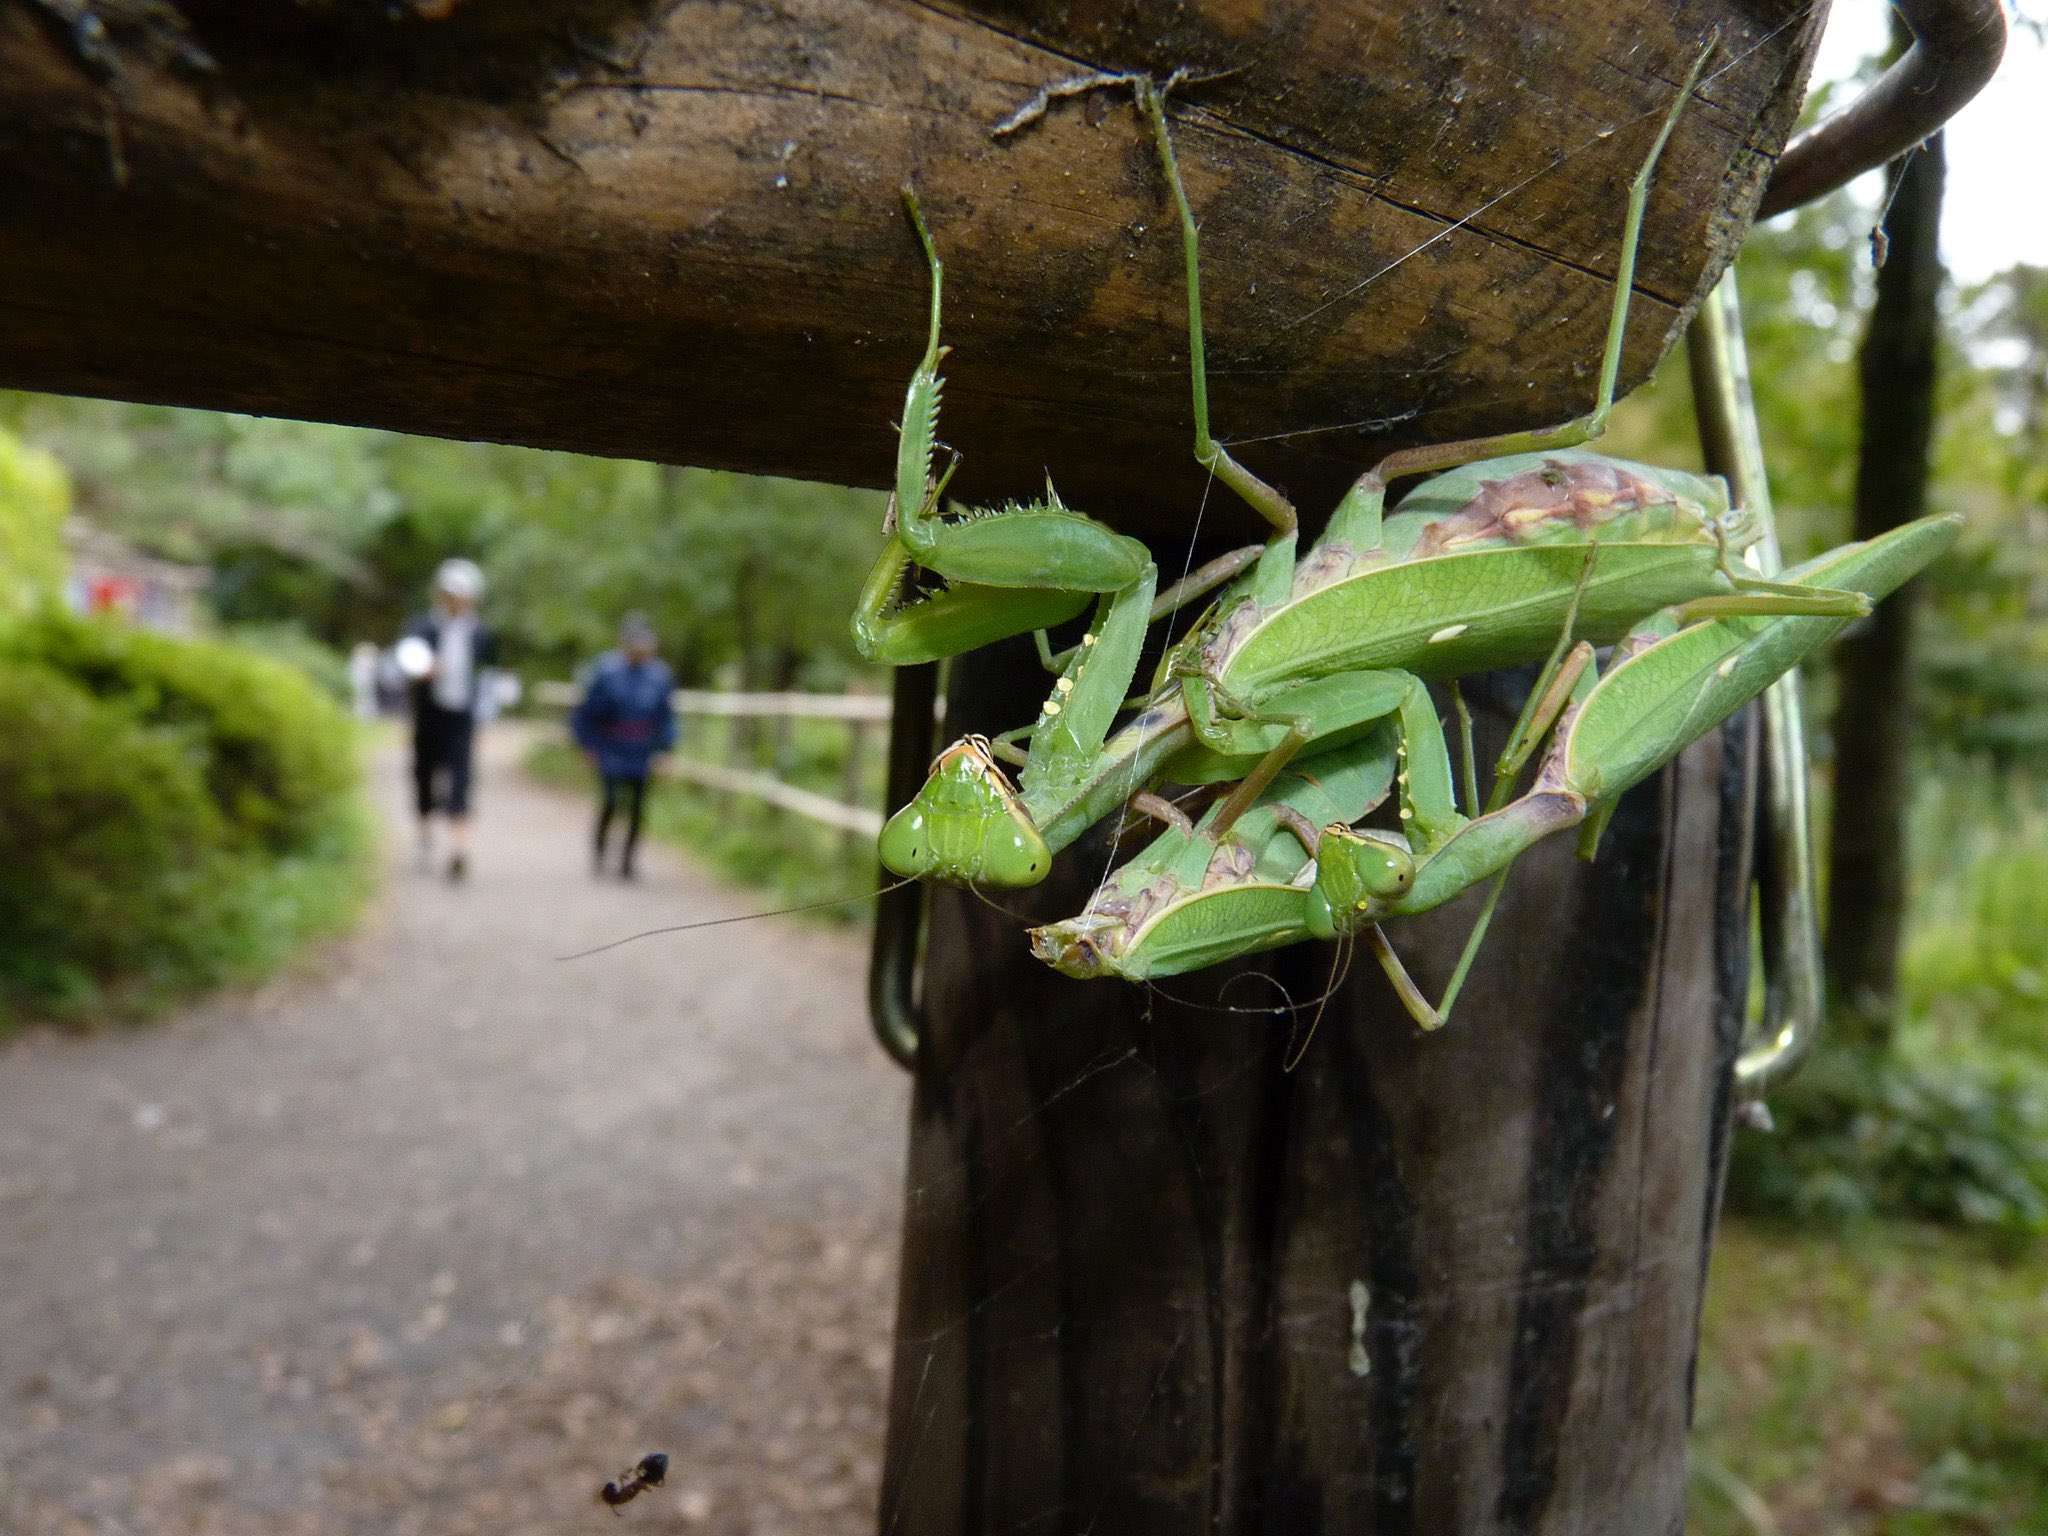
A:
(439, 1236)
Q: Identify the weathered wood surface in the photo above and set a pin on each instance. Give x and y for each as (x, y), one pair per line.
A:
(1132, 1239)
(672, 230)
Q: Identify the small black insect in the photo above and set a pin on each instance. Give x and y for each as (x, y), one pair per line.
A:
(646, 1473)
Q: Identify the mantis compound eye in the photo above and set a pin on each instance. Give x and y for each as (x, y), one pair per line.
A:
(1359, 874)
(1013, 854)
(906, 842)
(1383, 867)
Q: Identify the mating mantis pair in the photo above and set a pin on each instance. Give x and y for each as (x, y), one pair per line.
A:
(1514, 541)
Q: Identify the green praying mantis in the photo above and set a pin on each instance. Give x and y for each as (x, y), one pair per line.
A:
(1512, 542)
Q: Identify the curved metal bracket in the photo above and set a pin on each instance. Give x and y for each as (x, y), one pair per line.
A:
(1956, 48)
(899, 913)
(1794, 999)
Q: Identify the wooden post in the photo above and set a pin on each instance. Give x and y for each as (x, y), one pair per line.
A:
(1443, 1284)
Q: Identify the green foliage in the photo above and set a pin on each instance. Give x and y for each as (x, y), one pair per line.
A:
(110, 845)
(1952, 1124)
(734, 570)
(277, 753)
(339, 530)
(185, 484)
(325, 667)
(1976, 956)
(1863, 1132)
(123, 880)
(1942, 1131)
(35, 496)
(173, 814)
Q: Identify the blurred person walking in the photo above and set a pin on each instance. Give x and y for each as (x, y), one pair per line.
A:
(623, 721)
(444, 655)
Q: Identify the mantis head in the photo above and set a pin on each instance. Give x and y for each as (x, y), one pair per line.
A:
(1359, 875)
(966, 826)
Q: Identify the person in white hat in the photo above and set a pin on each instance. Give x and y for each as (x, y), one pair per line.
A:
(444, 655)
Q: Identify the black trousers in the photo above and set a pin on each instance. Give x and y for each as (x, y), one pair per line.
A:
(627, 797)
(443, 749)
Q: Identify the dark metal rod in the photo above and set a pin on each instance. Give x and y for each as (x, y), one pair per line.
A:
(1956, 48)
(899, 913)
(1794, 998)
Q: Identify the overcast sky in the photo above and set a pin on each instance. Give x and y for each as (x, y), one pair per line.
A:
(1995, 212)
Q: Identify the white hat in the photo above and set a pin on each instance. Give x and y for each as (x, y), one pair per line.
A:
(460, 578)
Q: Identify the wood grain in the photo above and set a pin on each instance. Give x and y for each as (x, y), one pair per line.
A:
(672, 230)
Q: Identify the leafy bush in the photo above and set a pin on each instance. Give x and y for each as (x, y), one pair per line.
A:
(110, 846)
(276, 754)
(1975, 968)
(173, 815)
(296, 647)
(35, 495)
(1949, 1123)
(1864, 1132)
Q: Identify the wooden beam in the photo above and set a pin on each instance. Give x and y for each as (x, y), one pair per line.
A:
(672, 231)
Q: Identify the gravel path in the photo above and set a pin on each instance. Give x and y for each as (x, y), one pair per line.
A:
(442, 1233)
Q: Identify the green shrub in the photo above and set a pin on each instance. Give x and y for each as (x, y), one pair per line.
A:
(111, 849)
(174, 814)
(276, 753)
(296, 647)
(35, 496)
(1869, 1132)
(1975, 967)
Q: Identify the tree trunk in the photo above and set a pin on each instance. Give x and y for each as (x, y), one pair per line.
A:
(673, 231)
(1445, 1283)
(1874, 716)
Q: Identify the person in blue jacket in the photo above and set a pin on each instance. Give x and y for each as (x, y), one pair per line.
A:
(625, 719)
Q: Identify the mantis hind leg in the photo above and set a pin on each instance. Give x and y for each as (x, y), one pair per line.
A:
(1442, 456)
(1268, 502)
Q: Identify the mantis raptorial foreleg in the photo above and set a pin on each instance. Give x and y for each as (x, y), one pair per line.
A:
(1210, 892)
(1015, 569)
(1323, 707)
(1198, 583)
(1009, 570)
(1556, 685)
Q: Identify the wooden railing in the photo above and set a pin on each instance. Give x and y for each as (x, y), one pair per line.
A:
(863, 713)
